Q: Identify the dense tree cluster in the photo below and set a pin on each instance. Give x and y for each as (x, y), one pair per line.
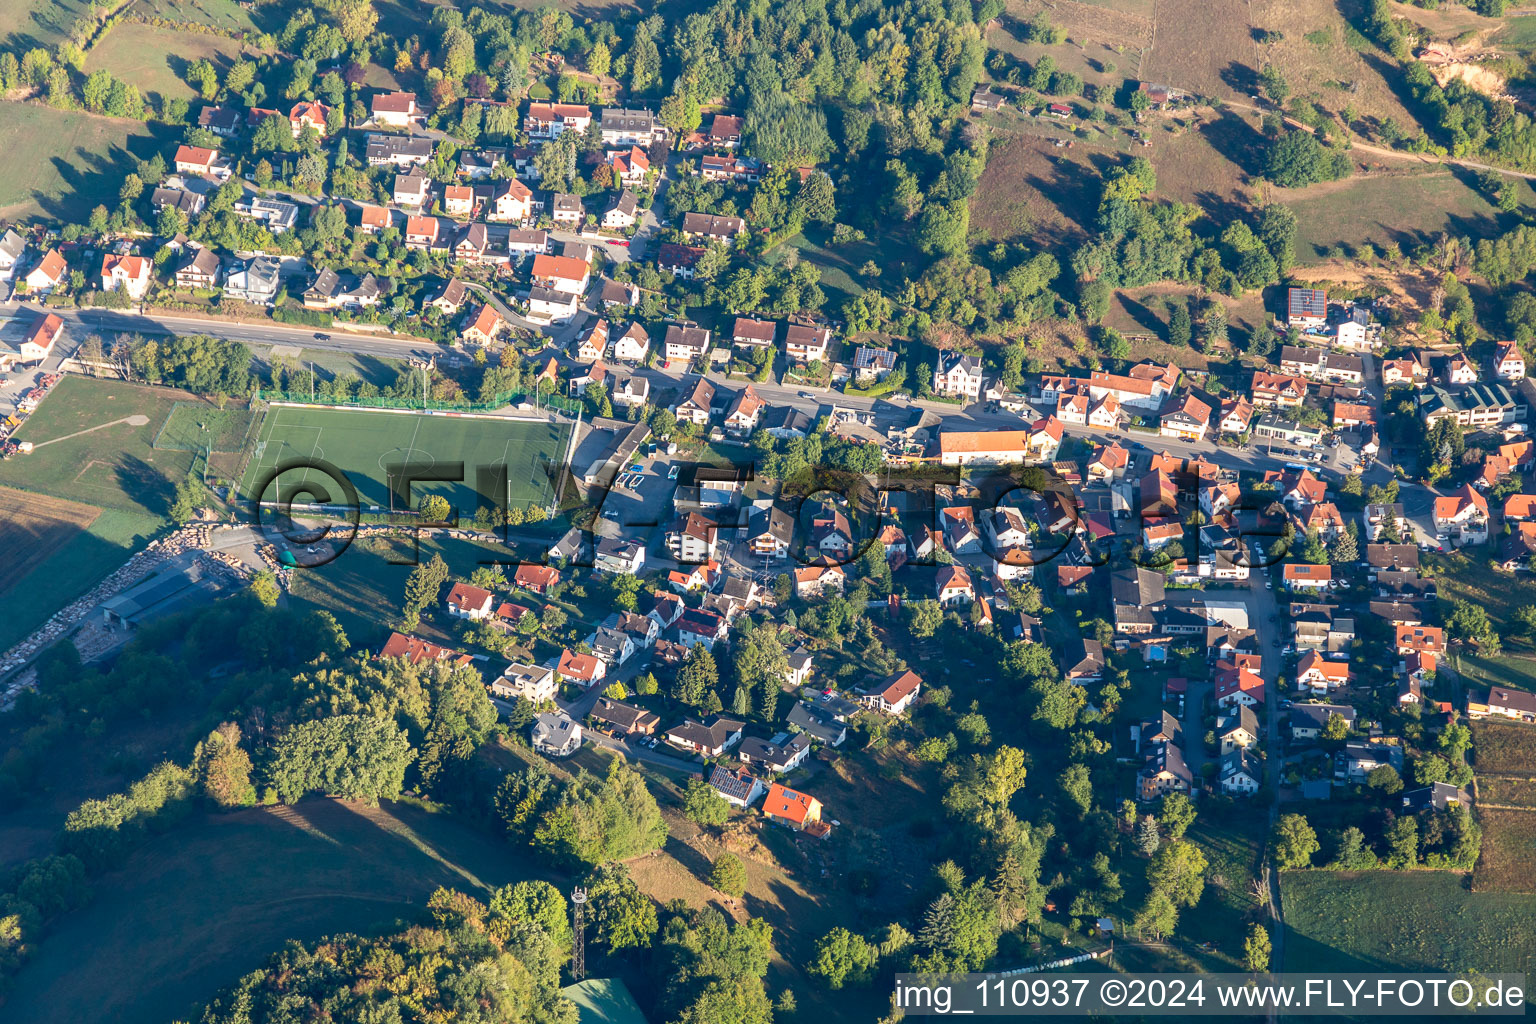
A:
(466, 961)
(583, 820)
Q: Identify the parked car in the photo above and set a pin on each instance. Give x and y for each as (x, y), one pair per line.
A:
(672, 473)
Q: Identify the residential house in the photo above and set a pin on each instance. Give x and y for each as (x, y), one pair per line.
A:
(952, 586)
(374, 219)
(1380, 518)
(752, 333)
(199, 269)
(594, 343)
(535, 578)
(532, 683)
(622, 126)
(725, 131)
(1320, 675)
(622, 212)
(418, 651)
(581, 668)
(1240, 773)
(1309, 720)
(133, 274)
(895, 694)
(679, 260)
(412, 190)
(1238, 728)
(1234, 416)
(736, 786)
(308, 114)
(458, 201)
(799, 811)
(1083, 661)
(421, 233)
(510, 202)
(691, 539)
(745, 411)
(1306, 307)
(685, 343)
(555, 735)
(632, 345)
(709, 738)
(806, 343)
(567, 209)
(255, 280)
(1277, 389)
(769, 532)
(784, 753)
(1301, 576)
(630, 166)
(697, 405)
(1358, 760)
(45, 277)
(394, 109)
(1508, 363)
(1462, 516)
(729, 168)
(712, 228)
(549, 120)
(37, 344)
(1503, 702)
(485, 328)
(1320, 364)
(620, 719)
(224, 122)
(619, 555)
(400, 151)
(1164, 772)
(1186, 419)
(207, 163)
(1419, 640)
(469, 602)
(958, 375)
(821, 725)
(815, 580)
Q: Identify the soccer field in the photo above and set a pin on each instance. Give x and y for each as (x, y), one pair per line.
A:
(367, 445)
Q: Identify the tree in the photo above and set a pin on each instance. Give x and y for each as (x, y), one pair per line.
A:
(729, 875)
(843, 957)
(1384, 779)
(697, 677)
(1256, 949)
(1178, 814)
(424, 584)
(1178, 871)
(264, 587)
(1353, 854)
(1403, 842)
(357, 757)
(924, 618)
(704, 805)
(1077, 787)
(1296, 158)
(1293, 842)
(225, 768)
(622, 916)
(1179, 328)
(187, 500)
(435, 509)
(1336, 728)
(1147, 837)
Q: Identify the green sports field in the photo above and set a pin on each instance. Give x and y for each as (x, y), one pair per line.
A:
(364, 444)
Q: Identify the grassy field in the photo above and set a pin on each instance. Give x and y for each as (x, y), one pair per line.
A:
(192, 426)
(1495, 789)
(361, 443)
(73, 568)
(1327, 63)
(1407, 208)
(150, 947)
(1032, 188)
(220, 14)
(34, 525)
(1507, 862)
(95, 443)
(1414, 920)
(57, 165)
(1202, 46)
(154, 58)
(362, 587)
(28, 23)
(1504, 748)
